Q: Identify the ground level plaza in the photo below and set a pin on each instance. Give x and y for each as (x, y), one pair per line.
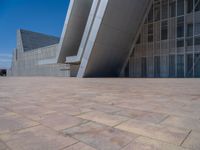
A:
(43, 113)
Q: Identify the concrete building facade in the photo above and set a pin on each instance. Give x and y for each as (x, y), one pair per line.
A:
(112, 38)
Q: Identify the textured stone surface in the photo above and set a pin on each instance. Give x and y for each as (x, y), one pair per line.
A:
(107, 119)
(144, 143)
(39, 113)
(192, 142)
(80, 146)
(14, 122)
(101, 137)
(37, 138)
(3, 146)
(168, 134)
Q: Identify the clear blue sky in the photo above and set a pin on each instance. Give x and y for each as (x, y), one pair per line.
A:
(45, 16)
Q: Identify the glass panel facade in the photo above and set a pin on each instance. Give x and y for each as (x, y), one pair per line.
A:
(169, 42)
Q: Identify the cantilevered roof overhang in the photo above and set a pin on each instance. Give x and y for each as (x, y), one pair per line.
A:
(98, 35)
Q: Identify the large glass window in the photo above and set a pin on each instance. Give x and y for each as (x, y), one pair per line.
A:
(189, 42)
(150, 33)
(180, 66)
(164, 9)
(172, 8)
(197, 28)
(197, 65)
(156, 10)
(172, 68)
(197, 40)
(180, 7)
(157, 66)
(197, 5)
(180, 27)
(189, 65)
(164, 30)
(144, 67)
(180, 43)
(189, 30)
(189, 5)
(150, 15)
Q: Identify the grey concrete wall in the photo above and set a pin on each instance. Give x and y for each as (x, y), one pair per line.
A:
(26, 63)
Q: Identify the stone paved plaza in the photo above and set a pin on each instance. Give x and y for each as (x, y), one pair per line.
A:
(43, 113)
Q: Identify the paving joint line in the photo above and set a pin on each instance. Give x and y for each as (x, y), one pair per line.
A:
(185, 137)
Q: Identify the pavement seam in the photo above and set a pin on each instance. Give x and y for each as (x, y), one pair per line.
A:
(165, 118)
(185, 137)
(121, 123)
(17, 130)
(69, 145)
(7, 147)
(139, 135)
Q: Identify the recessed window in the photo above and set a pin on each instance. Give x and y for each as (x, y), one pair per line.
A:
(180, 66)
(138, 40)
(189, 4)
(150, 33)
(197, 5)
(197, 65)
(164, 30)
(189, 30)
(180, 7)
(172, 8)
(164, 9)
(150, 15)
(197, 40)
(189, 42)
(180, 27)
(156, 10)
(180, 43)
(197, 28)
(189, 65)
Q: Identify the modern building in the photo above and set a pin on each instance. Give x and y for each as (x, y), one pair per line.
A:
(112, 38)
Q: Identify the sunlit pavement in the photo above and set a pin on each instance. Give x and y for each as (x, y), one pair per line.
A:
(42, 113)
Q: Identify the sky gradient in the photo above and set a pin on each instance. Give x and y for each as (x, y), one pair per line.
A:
(45, 16)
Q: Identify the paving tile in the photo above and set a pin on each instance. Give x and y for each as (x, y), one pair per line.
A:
(101, 137)
(4, 112)
(193, 141)
(44, 98)
(37, 138)
(103, 108)
(31, 111)
(60, 121)
(152, 117)
(168, 134)
(130, 113)
(144, 143)
(3, 145)
(104, 118)
(80, 146)
(182, 122)
(14, 122)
